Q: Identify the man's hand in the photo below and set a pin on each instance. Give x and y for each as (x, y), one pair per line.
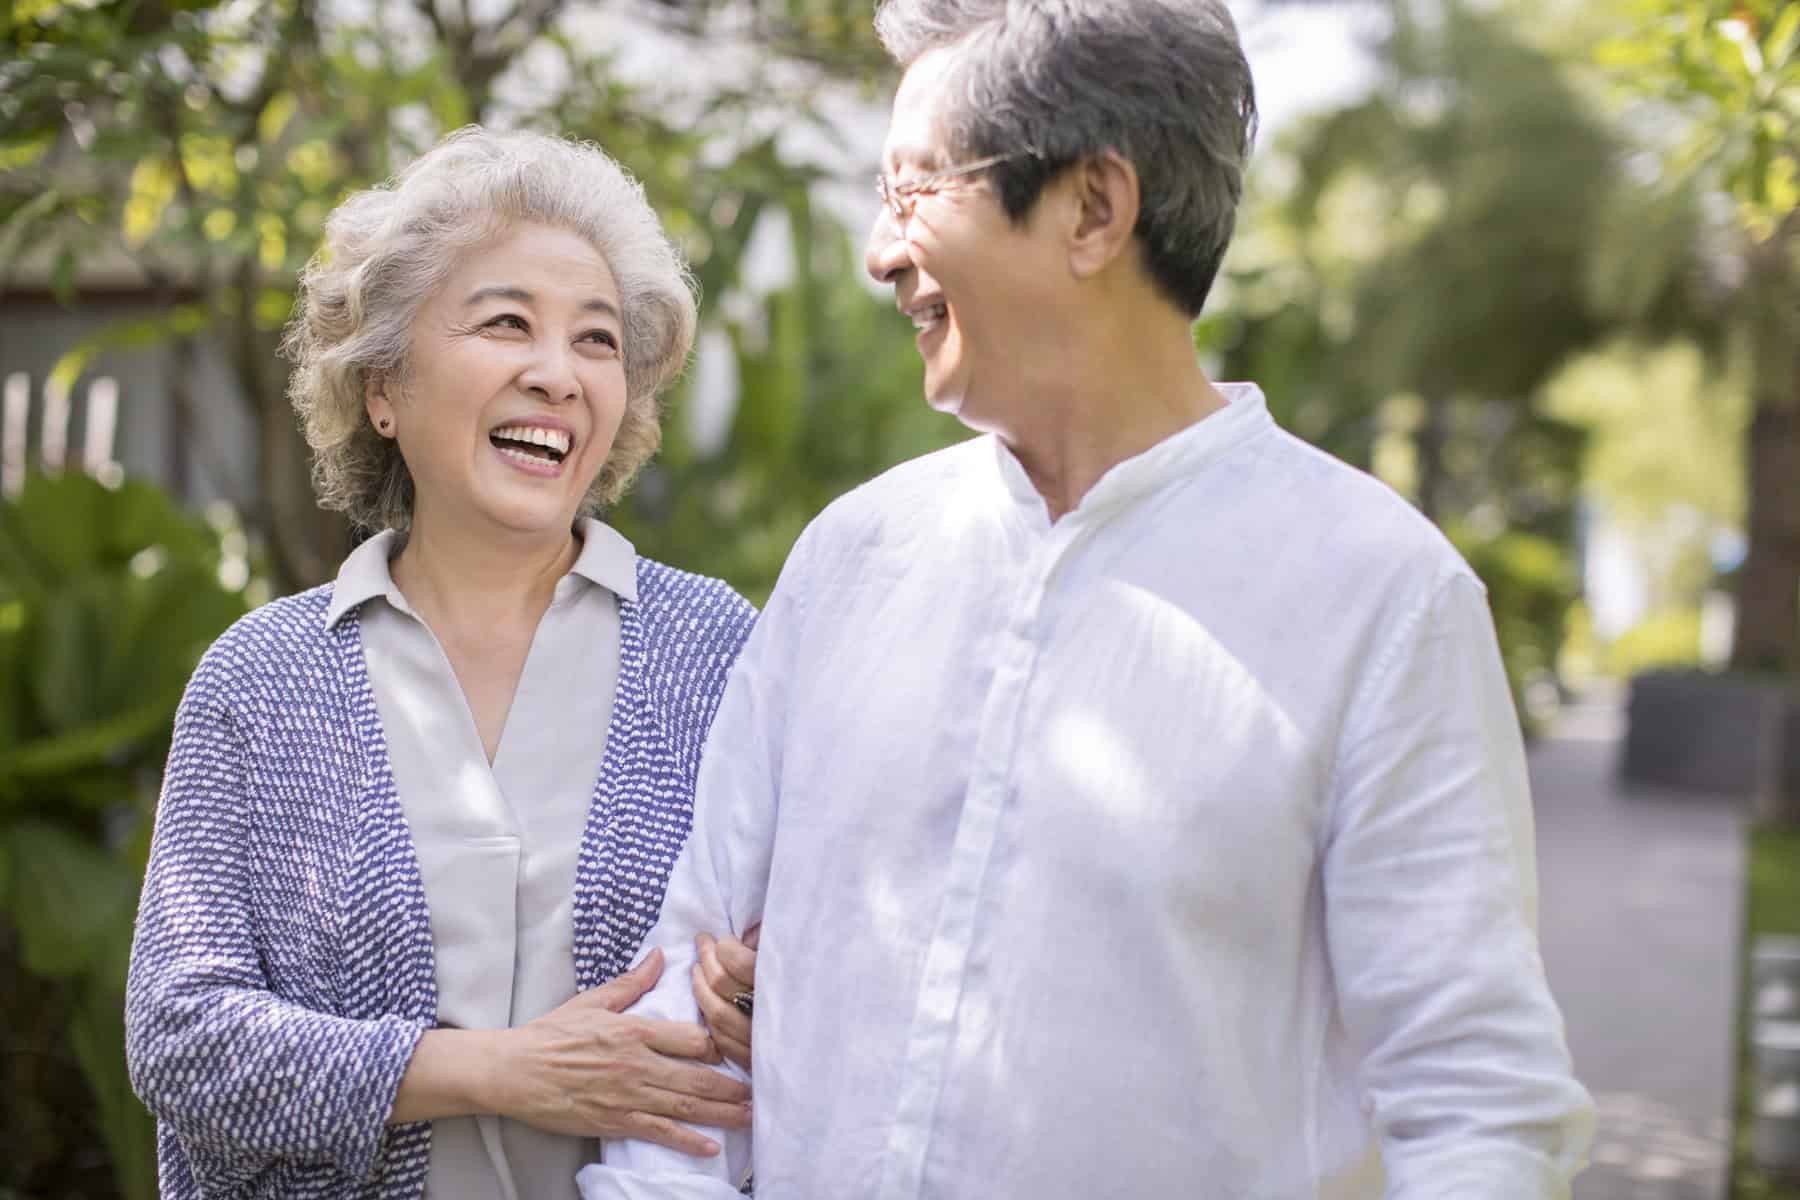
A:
(726, 968)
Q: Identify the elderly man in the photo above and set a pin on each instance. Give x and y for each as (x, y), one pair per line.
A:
(1131, 795)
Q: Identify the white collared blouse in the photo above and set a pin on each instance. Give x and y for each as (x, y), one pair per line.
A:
(497, 845)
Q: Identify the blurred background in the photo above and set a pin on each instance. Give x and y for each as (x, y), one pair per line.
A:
(1535, 263)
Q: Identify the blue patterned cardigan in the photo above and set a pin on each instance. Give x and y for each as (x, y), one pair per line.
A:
(282, 968)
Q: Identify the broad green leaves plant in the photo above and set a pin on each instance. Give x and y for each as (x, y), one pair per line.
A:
(107, 599)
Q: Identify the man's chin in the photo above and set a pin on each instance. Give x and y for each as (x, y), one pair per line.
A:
(944, 395)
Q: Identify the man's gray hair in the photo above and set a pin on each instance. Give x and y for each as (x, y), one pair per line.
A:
(1164, 83)
(388, 249)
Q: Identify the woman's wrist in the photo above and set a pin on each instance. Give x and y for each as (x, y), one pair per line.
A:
(454, 1073)
(493, 1064)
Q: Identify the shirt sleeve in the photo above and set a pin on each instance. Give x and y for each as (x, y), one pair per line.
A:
(1431, 895)
(242, 1077)
(719, 882)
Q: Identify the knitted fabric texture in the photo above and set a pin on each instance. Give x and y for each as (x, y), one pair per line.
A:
(282, 969)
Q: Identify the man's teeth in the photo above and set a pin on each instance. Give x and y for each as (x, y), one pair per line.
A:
(550, 439)
(926, 317)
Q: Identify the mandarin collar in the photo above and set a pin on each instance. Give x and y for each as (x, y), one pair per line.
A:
(1177, 456)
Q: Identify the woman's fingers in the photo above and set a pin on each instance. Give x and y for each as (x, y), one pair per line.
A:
(677, 1039)
(621, 993)
(703, 1083)
(736, 1052)
(681, 1106)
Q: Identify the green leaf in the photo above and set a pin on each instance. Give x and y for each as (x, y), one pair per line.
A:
(71, 903)
(97, 1033)
(1783, 37)
(93, 744)
(161, 626)
(21, 227)
(63, 670)
(1749, 55)
(58, 523)
(134, 333)
(12, 656)
(62, 277)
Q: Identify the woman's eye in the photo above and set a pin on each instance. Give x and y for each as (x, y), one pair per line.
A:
(508, 321)
(602, 337)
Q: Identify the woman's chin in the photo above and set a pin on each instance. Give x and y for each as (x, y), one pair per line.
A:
(527, 516)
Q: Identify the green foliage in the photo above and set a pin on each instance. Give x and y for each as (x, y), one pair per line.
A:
(1414, 267)
(107, 599)
(1666, 429)
(1717, 82)
(1531, 585)
(208, 141)
(1666, 639)
(1664, 462)
(1732, 68)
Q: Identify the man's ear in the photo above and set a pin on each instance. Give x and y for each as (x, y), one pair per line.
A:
(1107, 201)
(379, 404)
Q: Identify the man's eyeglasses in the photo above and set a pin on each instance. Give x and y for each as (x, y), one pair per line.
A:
(899, 197)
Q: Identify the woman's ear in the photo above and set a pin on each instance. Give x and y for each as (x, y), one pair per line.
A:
(378, 404)
(1107, 199)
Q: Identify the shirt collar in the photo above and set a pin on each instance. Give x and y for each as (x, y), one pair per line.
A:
(1177, 456)
(364, 576)
(606, 558)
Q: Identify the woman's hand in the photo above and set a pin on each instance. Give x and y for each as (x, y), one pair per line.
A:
(585, 1069)
(725, 970)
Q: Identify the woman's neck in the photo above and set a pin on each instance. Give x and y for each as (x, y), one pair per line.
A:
(459, 582)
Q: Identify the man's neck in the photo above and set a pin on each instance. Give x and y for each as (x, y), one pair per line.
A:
(461, 582)
(1113, 401)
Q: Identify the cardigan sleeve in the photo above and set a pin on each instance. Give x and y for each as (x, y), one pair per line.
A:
(242, 1077)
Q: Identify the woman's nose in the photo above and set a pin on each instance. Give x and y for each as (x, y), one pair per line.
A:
(551, 374)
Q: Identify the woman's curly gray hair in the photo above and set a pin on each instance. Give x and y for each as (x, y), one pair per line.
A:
(387, 249)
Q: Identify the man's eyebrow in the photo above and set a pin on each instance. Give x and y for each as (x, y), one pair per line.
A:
(906, 155)
(509, 292)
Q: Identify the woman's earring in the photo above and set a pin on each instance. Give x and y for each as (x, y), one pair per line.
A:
(383, 424)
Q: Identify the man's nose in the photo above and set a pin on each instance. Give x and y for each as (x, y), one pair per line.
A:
(887, 254)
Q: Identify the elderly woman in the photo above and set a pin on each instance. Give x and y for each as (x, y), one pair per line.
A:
(416, 823)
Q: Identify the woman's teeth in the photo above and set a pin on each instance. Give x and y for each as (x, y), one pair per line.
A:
(531, 442)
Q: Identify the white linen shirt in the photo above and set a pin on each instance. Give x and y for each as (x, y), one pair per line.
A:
(1180, 847)
(497, 844)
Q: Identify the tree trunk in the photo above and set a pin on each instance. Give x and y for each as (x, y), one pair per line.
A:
(306, 543)
(1769, 584)
(1429, 442)
(1768, 625)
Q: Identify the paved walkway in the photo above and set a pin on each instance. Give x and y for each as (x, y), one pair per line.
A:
(1640, 897)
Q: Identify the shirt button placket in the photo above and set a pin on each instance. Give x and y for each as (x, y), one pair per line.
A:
(947, 956)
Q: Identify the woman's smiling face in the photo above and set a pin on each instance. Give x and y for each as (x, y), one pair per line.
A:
(515, 385)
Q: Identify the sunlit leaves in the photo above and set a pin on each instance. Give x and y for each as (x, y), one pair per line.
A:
(151, 189)
(1732, 69)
